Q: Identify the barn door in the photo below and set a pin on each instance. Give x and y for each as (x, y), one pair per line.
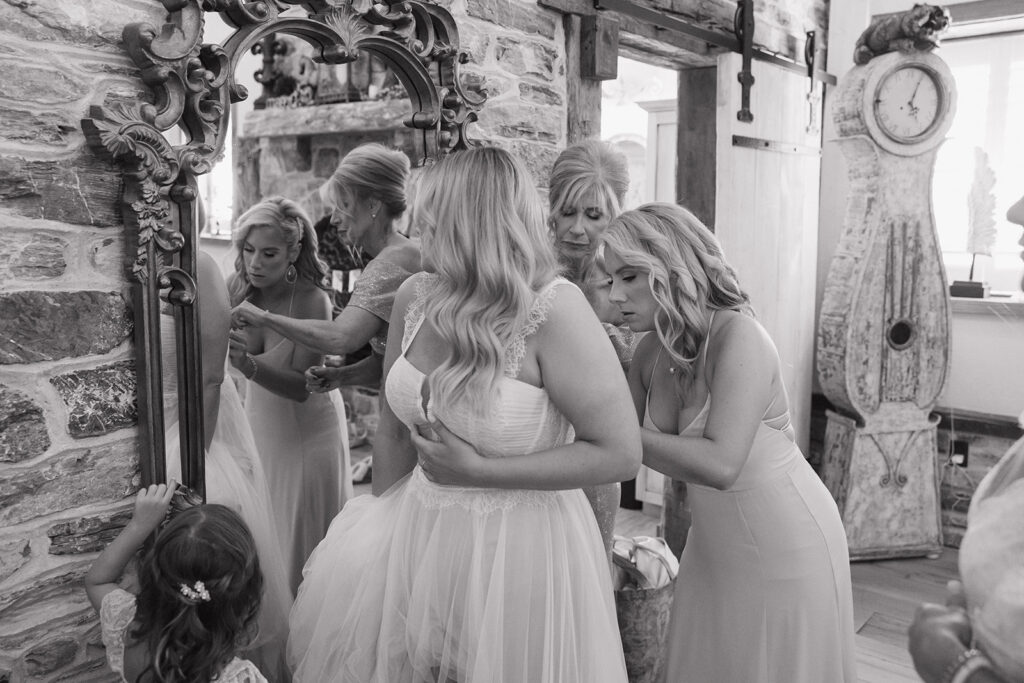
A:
(766, 211)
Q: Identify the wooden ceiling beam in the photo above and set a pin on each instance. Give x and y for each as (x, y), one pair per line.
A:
(648, 37)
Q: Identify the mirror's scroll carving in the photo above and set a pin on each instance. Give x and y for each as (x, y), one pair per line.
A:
(192, 90)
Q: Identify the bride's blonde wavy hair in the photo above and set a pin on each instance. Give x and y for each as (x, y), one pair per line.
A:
(686, 271)
(483, 232)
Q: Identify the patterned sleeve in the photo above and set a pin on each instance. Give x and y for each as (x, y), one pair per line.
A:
(376, 288)
(624, 340)
(117, 610)
(241, 671)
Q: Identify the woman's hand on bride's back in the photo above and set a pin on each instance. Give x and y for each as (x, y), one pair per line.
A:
(247, 314)
(445, 458)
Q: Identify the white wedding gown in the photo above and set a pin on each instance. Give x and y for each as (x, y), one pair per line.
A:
(235, 479)
(445, 583)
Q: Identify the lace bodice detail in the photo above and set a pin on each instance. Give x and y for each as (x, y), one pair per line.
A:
(523, 418)
(117, 611)
(516, 350)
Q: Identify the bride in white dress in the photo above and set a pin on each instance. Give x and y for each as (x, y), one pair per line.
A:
(481, 561)
(234, 476)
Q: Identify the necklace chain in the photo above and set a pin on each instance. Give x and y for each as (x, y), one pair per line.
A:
(291, 300)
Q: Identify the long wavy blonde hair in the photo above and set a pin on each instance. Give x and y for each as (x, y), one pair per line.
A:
(483, 232)
(686, 271)
(293, 224)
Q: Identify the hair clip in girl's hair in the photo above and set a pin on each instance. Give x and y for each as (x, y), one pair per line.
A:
(196, 593)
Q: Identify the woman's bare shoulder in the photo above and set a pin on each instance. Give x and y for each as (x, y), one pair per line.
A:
(736, 332)
(311, 302)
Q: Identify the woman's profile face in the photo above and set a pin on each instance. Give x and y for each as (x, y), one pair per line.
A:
(352, 217)
(266, 256)
(631, 292)
(578, 225)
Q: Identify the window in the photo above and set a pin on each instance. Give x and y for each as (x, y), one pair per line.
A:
(626, 124)
(989, 74)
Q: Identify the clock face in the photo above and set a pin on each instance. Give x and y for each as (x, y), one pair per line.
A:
(907, 103)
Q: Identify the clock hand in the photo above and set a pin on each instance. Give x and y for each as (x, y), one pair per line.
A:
(913, 95)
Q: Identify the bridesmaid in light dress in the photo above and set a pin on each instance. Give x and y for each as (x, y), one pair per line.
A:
(763, 593)
(302, 437)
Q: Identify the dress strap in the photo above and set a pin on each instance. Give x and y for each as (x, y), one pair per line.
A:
(650, 382)
(707, 342)
(516, 350)
(414, 314)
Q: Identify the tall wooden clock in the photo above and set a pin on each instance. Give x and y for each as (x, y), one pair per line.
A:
(883, 332)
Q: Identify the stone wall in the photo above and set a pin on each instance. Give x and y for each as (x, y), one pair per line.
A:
(68, 440)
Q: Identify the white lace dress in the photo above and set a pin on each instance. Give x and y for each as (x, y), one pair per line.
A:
(117, 611)
(444, 583)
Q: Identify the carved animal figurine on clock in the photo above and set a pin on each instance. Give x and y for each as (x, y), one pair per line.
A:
(917, 29)
(883, 334)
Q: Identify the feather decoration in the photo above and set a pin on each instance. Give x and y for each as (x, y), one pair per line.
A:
(981, 207)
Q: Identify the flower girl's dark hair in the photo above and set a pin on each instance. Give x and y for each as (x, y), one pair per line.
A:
(199, 593)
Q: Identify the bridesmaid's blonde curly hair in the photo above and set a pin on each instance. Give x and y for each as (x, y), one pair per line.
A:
(293, 225)
(686, 271)
(483, 233)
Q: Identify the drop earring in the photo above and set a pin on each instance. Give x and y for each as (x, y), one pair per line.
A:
(291, 275)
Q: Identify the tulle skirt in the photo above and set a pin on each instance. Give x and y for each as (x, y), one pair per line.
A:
(436, 583)
(234, 478)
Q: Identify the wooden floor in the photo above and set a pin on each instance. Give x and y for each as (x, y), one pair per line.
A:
(885, 595)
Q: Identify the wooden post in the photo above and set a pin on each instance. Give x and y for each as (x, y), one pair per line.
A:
(696, 139)
(583, 95)
(599, 47)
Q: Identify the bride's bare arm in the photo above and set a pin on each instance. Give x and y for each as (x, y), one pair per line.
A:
(394, 455)
(582, 375)
(215, 325)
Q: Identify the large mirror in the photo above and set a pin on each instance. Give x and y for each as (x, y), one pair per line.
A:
(232, 81)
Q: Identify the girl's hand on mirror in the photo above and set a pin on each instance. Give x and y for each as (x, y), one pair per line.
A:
(247, 314)
(238, 348)
(444, 457)
(151, 506)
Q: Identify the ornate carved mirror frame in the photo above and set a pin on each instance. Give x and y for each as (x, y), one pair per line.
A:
(193, 86)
